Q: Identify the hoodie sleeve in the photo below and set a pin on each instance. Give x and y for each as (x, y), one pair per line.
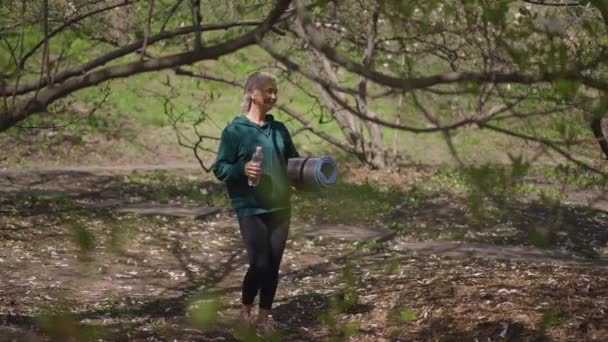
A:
(227, 167)
(290, 149)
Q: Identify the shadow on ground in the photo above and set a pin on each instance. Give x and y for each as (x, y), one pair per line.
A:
(581, 230)
(445, 329)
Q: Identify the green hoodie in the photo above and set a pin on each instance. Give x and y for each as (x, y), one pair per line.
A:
(237, 145)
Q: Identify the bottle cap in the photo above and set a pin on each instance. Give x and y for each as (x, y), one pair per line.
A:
(258, 148)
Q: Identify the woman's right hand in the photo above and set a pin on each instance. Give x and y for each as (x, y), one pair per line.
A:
(252, 169)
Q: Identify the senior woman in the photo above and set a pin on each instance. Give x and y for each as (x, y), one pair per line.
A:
(263, 210)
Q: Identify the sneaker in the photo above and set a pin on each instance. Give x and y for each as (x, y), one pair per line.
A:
(245, 319)
(265, 325)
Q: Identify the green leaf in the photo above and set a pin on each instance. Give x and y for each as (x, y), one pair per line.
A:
(539, 237)
(320, 6)
(563, 57)
(602, 106)
(430, 6)
(519, 167)
(83, 238)
(205, 312)
(406, 8)
(566, 88)
(472, 87)
(408, 315)
(497, 12)
(550, 318)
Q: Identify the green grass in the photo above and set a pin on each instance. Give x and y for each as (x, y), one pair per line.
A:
(572, 175)
(347, 203)
(551, 317)
(162, 186)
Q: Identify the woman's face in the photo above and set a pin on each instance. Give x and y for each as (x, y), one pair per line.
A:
(265, 96)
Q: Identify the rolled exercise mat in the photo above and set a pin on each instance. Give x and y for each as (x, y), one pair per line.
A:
(312, 173)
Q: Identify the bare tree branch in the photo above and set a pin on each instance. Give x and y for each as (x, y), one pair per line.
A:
(185, 141)
(69, 23)
(545, 142)
(355, 112)
(96, 105)
(376, 154)
(148, 23)
(318, 41)
(598, 133)
(104, 59)
(21, 50)
(554, 4)
(287, 110)
(321, 134)
(195, 6)
(171, 12)
(183, 72)
(293, 66)
(45, 67)
(38, 103)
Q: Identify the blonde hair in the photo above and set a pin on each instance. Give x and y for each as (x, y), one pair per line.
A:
(254, 81)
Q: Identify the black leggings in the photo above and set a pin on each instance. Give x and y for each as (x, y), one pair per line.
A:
(265, 236)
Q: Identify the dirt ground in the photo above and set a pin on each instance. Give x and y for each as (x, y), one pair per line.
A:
(71, 267)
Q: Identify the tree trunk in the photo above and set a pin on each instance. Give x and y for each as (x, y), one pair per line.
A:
(119, 25)
(370, 150)
(598, 133)
(376, 149)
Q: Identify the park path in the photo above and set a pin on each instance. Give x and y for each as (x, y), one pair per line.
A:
(88, 181)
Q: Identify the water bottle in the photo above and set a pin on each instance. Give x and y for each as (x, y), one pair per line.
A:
(256, 158)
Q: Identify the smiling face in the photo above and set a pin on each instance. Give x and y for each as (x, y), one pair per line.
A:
(265, 95)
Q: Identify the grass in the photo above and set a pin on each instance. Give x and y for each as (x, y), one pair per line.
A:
(400, 314)
(550, 317)
(162, 186)
(347, 203)
(568, 174)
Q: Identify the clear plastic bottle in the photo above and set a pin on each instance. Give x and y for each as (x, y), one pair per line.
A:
(257, 157)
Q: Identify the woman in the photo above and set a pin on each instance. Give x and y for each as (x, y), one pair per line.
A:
(263, 210)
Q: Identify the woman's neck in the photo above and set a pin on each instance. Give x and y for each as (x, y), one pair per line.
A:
(256, 115)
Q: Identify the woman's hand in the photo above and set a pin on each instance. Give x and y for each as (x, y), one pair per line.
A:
(252, 169)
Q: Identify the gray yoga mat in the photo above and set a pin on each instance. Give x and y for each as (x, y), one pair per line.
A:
(312, 173)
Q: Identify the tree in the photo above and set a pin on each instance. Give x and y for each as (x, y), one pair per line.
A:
(533, 70)
(530, 70)
(507, 66)
(36, 75)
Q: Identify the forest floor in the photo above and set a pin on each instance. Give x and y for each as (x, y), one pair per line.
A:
(75, 267)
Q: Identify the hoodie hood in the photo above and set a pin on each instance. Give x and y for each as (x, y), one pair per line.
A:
(243, 120)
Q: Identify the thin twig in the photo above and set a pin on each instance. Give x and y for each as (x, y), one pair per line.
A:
(171, 12)
(65, 25)
(547, 143)
(195, 6)
(147, 33)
